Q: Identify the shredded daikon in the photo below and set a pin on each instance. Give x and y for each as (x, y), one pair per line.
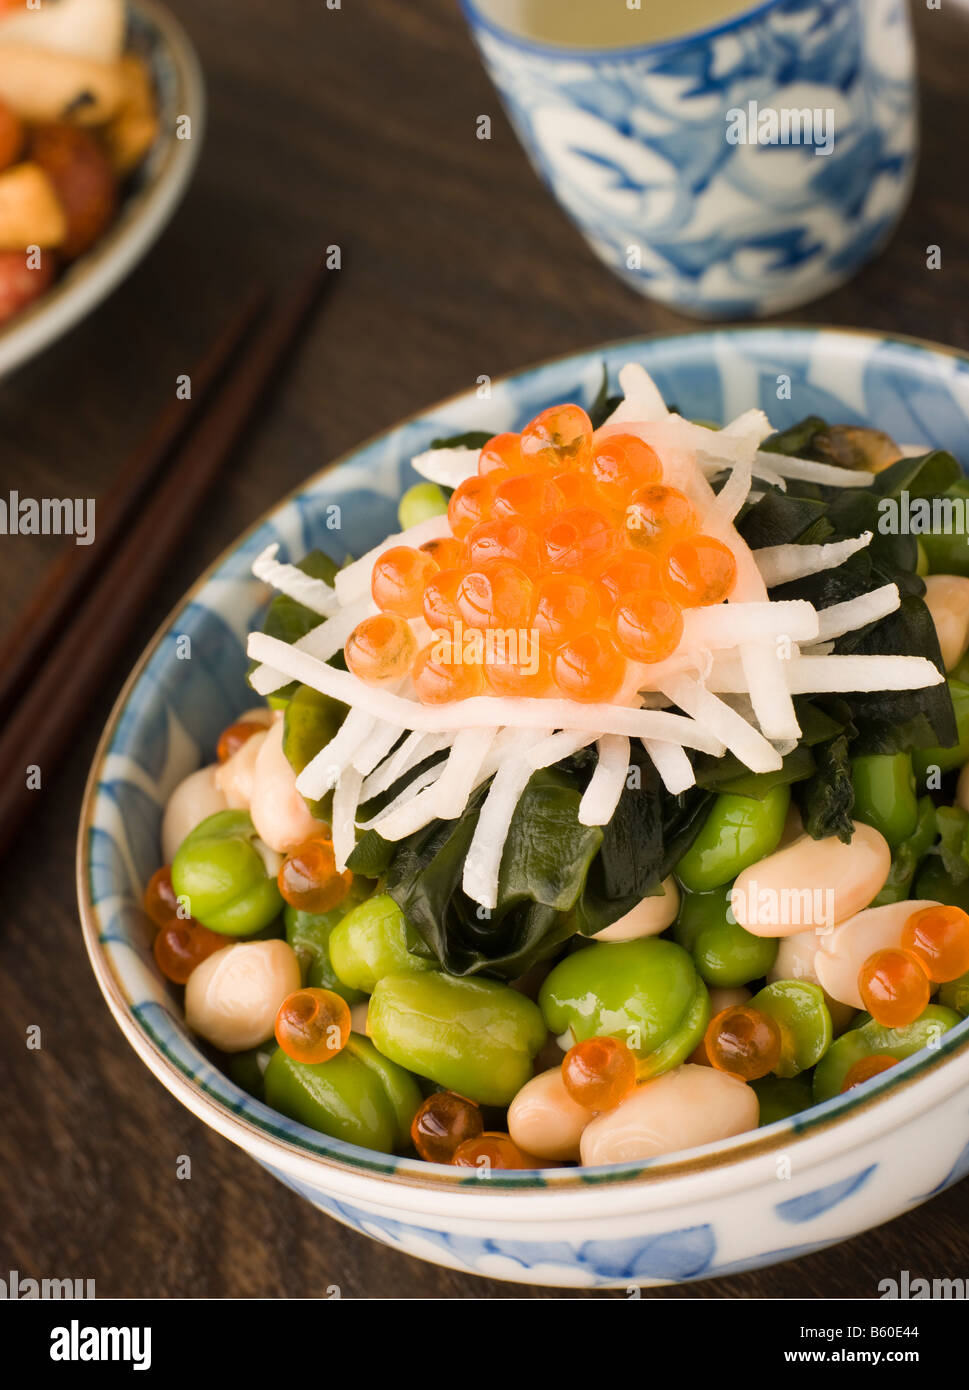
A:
(782, 564)
(601, 796)
(828, 474)
(858, 612)
(346, 798)
(288, 579)
(446, 467)
(672, 764)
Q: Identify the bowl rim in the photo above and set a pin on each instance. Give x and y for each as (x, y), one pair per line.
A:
(140, 222)
(831, 1128)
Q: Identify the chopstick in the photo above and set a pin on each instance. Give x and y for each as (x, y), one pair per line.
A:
(72, 573)
(39, 729)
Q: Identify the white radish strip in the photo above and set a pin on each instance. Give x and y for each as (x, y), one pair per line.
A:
(481, 709)
(324, 770)
(836, 675)
(643, 398)
(764, 671)
(322, 642)
(742, 434)
(353, 581)
(446, 467)
(447, 796)
(343, 817)
(854, 613)
(408, 795)
(733, 494)
(416, 747)
(312, 593)
(373, 752)
(828, 474)
(556, 747)
(781, 564)
(673, 766)
(741, 738)
(729, 625)
(601, 796)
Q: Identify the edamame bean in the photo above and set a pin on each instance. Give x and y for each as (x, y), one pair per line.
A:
(870, 1039)
(844, 951)
(248, 1069)
(648, 918)
(196, 797)
(357, 1096)
(309, 935)
(955, 995)
(806, 1029)
(420, 502)
(907, 857)
(281, 816)
(543, 1118)
(947, 598)
(934, 883)
(947, 551)
(233, 997)
(737, 832)
(682, 1109)
(947, 759)
(373, 939)
(227, 876)
(474, 1036)
(811, 883)
(723, 952)
(780, 1097)
(884, 786)
(311, 720)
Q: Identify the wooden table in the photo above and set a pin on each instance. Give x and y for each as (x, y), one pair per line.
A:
(357, 127)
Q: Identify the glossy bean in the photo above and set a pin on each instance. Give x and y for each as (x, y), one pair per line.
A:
(737, 832)
(226, 876)
(648, 918)
(947, 598)
(680, 1110)
(420, 502)
(947, 759)
(374, 939)
(232, 998)
(799, 1008)
(955, 995)
(844, 951)
(872, 1039)
(933, 883)
(947, 551)
(196, 797)
(309, 935)
(811, 883)
(884, 786)
(723, 952)
(543, 1118)
(908, 855)
(780, 1097)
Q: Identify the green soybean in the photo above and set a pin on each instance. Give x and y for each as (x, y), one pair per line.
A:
(419, 503)
(782, 1096)
(871, 1039)
(372, 940)
(737, 832)
(221, 873)
(310, 722)
(947, 759)
(947, 551)
(473, 1036)
(934, 884)
(907, 856)
(724, 953)
(685, 1038)
(955, 995)
(798, 1006)
(884, 786)
(356, 1096)
(248, 1069)
(309, 935)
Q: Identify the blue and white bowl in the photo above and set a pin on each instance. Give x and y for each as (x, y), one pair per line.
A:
(635, 143)
(781, 1191)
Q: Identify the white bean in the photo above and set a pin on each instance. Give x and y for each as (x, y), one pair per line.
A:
(796, 957)
(195, 798)
(543, 1118)
(844, 951)
(814, 883)
(648, 918)
(280, 815)
(236, 773)
(723, 998)
(233, 997)
(681, 1109)
(962, 788)
(358, 1016)
(947, 599)
(260, 714)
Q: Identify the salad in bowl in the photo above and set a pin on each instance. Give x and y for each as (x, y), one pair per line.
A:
(615, 805)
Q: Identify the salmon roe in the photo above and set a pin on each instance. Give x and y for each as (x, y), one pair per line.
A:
(560, 437)
(381, 649)
(525, 672)
(599, 1073)
(399, 577)
(444, 1122)
(309, 879)
(441, 674)
(658, 515)
(160, 900)
(234, 736)
(700, 571)
(939, 938)
(181, 945)
(744, 1042)
(565, 606)
(589, 667)
(507, 538)
(865, 1068)
(496, 595)
(501, 454)
(469, 504)
(621, 465)
(647, 626)
(493, 1150)
(313, 1025)
(894, 987)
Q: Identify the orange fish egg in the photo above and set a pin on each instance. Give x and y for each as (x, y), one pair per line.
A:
(599, 1073)
(398, 580)
(566, 604)
(589, 667)
(380, 649)
(528, 674)
(501, 454)
(657, 515)
(578, 490)
(181, 945)
(939, 937)
(160, 900)
(496, 595)
(647, 625)
(560, 437)
(446, 552)
(894, 987)
(627, 571)
(493, 1150)
(621, 465)
(470, 503)
(309, 879)
(865, 1068)
(313, 1025)
(744, 1042)
(234, 736)
(530, 497)
(700, 571)
(578, 539)
(440, 599)
(441, 674)
(506, 538)
(442, 1122)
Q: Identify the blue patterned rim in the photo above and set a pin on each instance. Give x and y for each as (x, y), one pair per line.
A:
(916, 391)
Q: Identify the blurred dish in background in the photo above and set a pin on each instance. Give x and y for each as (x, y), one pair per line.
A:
(729, 159)
(101, 112)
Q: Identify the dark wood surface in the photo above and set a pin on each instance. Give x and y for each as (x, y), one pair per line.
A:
(355, 127)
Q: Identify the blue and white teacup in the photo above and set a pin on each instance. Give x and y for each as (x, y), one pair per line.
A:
(732, 172)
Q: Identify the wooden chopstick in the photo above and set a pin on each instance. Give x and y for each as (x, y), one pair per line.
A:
(52, 708)
(72, 573)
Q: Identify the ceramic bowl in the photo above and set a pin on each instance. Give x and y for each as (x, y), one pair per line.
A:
(153, 191)
(777, 1192)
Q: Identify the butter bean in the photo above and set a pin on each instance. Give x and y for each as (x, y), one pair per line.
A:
(234, 777)
(947, 598)
(647, 918)
(280, 815)
(721, 998)
(796, 957)
(196, 797)
(233, 997)
(844, 951)
(681, 1109)
(543, 1118)
(811, 883)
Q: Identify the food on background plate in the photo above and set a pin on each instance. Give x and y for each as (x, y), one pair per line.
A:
(614, 806)
(77, 117)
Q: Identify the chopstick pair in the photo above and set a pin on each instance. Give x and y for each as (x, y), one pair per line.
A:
(74, 627)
